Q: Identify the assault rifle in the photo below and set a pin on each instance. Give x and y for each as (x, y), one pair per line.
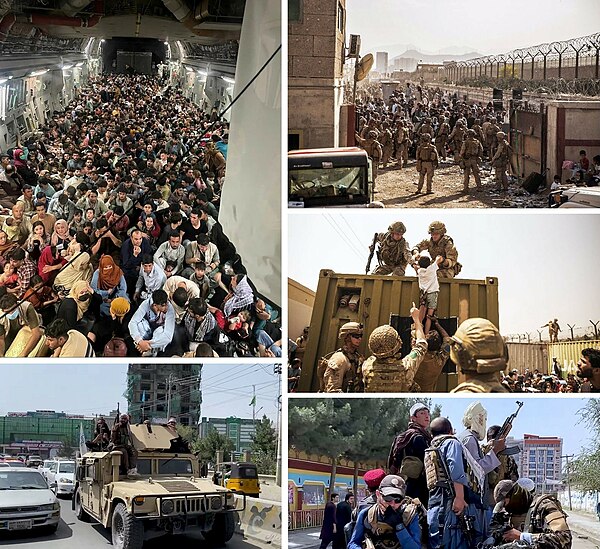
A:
(371, 253)
(503, 433)
(467, 525)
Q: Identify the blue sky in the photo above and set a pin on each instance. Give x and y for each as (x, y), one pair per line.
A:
(96, 388)
(543, 415)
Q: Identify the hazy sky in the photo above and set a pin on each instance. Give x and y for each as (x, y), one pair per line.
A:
(96, 388)
(532, 419)
(546, 263)
(486, 26)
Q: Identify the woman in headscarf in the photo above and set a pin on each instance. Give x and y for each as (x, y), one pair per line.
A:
(80, 307)
(61, 236)
(114, 327)
(108, 281)
(6, 246)
(37, 241)
(78, 265)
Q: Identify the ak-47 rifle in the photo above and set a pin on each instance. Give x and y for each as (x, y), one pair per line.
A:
(467, 525)
(371, 253)
(503, 433)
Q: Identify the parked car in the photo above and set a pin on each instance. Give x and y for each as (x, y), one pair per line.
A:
(26, 502)
(14, 462)
(61, 477)
(33, 460)
(44, 468)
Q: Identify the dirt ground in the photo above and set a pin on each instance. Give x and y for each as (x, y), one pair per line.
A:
(395, 187)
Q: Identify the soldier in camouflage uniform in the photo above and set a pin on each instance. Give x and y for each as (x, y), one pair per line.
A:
(545, 525)
(500, 161)
(441, 138)
(491, 137)
(427, 162)
(426, 127)
(470, 156)
(387, 144)
(440, 244)
(456, 138)
(386, 371)
(553, 329)
(476, 127)
(402, 142)
(373, 150)
(393, 253)
(343, 369)
(438, 352)
(370, 127)
(480, 353)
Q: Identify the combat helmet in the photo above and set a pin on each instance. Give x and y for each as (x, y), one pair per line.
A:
(350, 328)
(397, 227)
(437, 227)
(502, 135)
(471, 133)
(426, 137)
(478, 347)
(372, 134)
(384, 341)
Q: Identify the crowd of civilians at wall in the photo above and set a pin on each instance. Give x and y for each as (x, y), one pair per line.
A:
(110, 241)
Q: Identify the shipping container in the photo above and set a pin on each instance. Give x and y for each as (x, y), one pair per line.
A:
(568, 353)
(531, 356)
(387, 300)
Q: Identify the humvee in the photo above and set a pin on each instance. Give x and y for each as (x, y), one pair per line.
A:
(168, 496)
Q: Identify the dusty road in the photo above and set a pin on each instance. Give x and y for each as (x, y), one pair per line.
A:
(395, 187)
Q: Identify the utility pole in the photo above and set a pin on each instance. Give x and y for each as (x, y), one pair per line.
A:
(254, 406)
(169, 381)
(278, 370)
(569, 479)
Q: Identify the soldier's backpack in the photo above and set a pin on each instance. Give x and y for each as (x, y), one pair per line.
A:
(321, 367)
(401, 464)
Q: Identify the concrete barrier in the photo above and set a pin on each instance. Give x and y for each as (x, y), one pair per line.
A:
(260, 521)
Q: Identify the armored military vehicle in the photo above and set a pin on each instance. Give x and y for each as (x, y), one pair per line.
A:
(166, 496)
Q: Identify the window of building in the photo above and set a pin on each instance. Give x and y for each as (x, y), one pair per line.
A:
(145, 386)
(340, 18)
(147, 377)
(294, 11)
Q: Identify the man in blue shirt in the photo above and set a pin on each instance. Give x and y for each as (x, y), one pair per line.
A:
(153, 324)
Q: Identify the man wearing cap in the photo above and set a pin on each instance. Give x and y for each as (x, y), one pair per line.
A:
(385, 371)
(407, 453)
(500, 161)
(372, 480)
(393, 253)
(439, 244)
(538, 522)
(455, 483)
(343, 369)
(391, 520)
(480, 353)
(177, 442)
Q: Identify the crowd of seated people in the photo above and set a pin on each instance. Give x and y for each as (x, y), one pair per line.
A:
(110, 243)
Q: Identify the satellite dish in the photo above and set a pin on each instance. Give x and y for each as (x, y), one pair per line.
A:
(364, 66)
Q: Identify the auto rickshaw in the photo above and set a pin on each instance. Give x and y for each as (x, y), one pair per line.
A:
(238, 476)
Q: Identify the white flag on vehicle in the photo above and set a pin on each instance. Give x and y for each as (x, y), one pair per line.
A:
(82, 446)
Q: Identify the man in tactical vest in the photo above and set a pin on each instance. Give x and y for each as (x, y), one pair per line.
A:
(440, 244)
(393, 253)
(441, 138)
(508, 468)
(479, 352)
(491, 137)
(545, 525)
(373, 150)
(470, 156)
(386, 371)
(387, 144)
(343, 369)
(474, 420)
(392, 522)
(456, 138)
(438, 352)
(455, 483)
(427, 162)
(407, 453)
(426, 127)
(402, 141)
(500, 161)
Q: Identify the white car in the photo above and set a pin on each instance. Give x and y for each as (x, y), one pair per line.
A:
(44, 468)
(61, 477)
(26, 502)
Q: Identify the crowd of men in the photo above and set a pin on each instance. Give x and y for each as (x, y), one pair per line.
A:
(448, 490)
(110, 242)
(434, 126)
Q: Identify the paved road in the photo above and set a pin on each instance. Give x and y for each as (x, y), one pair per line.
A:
(73, 534)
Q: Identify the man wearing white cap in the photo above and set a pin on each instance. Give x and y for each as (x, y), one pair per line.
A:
(393, 519)
(407, 453)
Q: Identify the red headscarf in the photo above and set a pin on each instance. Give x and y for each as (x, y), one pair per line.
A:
(109, 274)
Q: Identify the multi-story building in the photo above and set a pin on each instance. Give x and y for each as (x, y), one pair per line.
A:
(381, 62)
(43, 432)
(157, 391)
(239, 431)
(316, 55)
(541, 462)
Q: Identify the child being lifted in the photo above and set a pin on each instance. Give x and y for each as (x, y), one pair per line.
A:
(429, 287)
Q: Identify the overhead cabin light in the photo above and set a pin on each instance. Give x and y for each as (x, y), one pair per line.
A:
(67, 67)
(228, 80)
(39, 73)
(80, 64)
